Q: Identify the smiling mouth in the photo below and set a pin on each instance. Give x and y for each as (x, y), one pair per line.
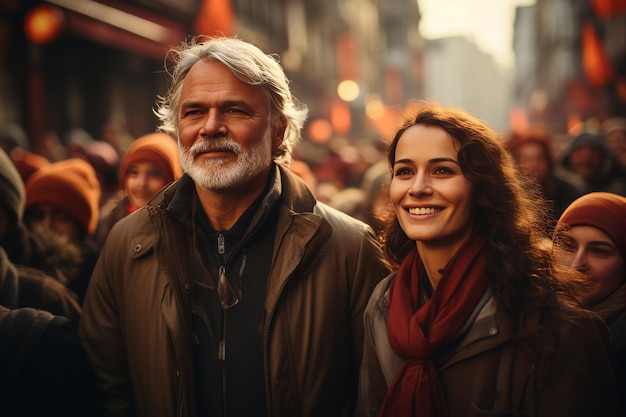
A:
(424, 210)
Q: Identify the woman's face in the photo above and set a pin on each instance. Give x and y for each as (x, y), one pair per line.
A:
(431, 196)
(591, 251)
(143, 180)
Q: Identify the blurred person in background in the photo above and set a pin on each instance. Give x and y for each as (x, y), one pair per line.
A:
(51, 147)
(375, 185)
(62, 207)
(13, 136)
(44, 371)
(27, 163)
(20, 284)
(591, 237)
(476, 319)
(614, 130)
(106, 162)
(233, 292)
(532, 151)
(589, 157)
(116, 134)
(14, 141)
(150, 163)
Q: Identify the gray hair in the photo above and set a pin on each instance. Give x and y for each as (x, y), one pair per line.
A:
(250, 65)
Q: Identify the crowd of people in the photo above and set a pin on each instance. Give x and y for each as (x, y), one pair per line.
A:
(209, 268)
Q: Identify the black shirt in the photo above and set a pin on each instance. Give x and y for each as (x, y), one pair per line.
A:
(228, 343)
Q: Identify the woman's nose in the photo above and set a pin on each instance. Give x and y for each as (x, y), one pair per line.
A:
(421, 185)
(579, 261)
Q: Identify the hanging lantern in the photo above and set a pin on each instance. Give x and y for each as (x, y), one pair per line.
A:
(43, 23)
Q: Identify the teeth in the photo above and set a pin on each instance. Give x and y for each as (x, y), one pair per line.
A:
(424, 210)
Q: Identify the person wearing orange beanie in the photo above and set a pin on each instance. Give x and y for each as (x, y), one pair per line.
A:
(68, 188)
(591, 237)
(62, 209)
(150, 163)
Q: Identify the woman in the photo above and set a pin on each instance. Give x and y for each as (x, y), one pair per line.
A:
(591, 237)
(475, 321)
(150, 164)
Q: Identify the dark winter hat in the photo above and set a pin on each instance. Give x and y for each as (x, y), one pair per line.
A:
(604, 211)
(12, 192)
(14, 135)
(71, 185)
(586, 138)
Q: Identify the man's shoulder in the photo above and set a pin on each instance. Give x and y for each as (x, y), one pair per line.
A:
(339, 219)
(128, 225)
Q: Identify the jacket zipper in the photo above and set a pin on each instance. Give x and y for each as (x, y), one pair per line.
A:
(221, 351)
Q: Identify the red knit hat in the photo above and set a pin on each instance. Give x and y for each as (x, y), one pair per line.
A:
(159, 148)
(604, 211)
(71, 185)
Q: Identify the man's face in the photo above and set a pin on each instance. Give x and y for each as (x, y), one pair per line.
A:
(225, 135)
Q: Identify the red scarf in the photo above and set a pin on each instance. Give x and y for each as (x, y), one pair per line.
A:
(416, 334)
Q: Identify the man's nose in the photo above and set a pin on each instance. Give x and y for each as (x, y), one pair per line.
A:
(213, 123)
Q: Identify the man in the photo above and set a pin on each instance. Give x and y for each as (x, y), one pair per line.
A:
(233, 292)
(589, 157)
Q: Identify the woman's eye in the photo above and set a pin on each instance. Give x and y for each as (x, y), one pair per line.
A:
(603, 252)
(402, 171)
(443, 171)
(566, 244)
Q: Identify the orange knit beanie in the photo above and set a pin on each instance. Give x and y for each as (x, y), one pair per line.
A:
(70, 185)
(159, 148)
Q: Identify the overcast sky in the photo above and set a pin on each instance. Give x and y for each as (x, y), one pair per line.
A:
(488, 22)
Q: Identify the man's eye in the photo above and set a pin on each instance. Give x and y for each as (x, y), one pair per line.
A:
(235, 110)
(190, 113)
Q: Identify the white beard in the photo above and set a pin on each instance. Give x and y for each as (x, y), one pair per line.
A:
(213, 174)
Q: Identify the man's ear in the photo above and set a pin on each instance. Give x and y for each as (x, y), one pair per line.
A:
(278, 132)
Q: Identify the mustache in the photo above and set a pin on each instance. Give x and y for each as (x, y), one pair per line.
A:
(223, 144)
